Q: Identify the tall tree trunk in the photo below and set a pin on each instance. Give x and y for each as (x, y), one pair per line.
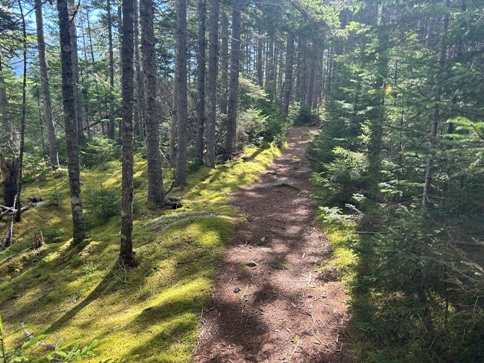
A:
(181, 70)
(155, 177)
(270, 68)
(72, 141)
(437, 112)
(18, 216)
(72, 9)
(288, 74)
(111, 127)
(126, 254)
(201, 54)
(260, 65)
(280, 74)
(44, 80)
(274, 69)
(212, 82)
(230, 142)
(7, 134)
(174, 117)
(93, 61)
(312, 73)
(224, 63)
(139, 115)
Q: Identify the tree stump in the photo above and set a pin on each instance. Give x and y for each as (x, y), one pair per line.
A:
(38, 240)
(10, 171)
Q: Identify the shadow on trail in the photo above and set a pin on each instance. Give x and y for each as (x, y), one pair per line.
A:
(263, 308)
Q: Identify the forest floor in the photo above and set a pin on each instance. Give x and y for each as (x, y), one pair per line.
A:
(277, 298)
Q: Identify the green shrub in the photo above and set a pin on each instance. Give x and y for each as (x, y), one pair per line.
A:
(304, 117)
(56, 196)
(102, 204)
(99, 150)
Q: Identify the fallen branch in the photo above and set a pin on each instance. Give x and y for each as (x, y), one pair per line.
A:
(30, 335)
(295, 348)
(175, 339)
(369, 232)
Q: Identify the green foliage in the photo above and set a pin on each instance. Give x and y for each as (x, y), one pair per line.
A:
(56, 196)
(102, 204)
(24, 352)
(304, 117)
(259, 118)
(342, 178)
(99, 150)
(250, 126)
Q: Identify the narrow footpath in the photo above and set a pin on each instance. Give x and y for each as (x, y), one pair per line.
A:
(272, 303)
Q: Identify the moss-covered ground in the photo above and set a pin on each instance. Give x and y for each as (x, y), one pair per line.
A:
(151, 312)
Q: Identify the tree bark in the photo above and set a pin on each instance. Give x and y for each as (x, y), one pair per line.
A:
(230, 142)
(437, 112)
(72, 141)
(260, 68)
(155, 177)
(72, 9)
(139, 115)
(224, 63)
(9, 171)
(212, 82)
(312, 74)
(288, 74)
(201, 54)
(18, 216)
(181, 70)
(44, 80)
(111, 125)
(7, 134)
(126, 254)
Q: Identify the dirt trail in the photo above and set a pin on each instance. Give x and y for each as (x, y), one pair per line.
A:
(271, 303)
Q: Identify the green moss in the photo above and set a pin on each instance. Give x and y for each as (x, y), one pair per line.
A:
(152, 311)
(339, 232)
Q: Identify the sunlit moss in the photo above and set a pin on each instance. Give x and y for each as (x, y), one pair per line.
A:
(151, 311)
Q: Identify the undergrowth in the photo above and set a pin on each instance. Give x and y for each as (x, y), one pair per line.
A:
(151, 312)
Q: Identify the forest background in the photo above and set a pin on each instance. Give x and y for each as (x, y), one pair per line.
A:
(174, 91)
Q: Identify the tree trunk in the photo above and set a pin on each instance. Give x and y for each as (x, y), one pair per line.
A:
(202, 14)
(288, 74)
(312, 74)
(126, 254)
(139, 115)
(270, 68)
(174, 117)
(155, 177)
(224, 63)
(111, 127)
(182, 114)
(72, 141)
(230, 142)
(44, 80)
(9, 169)
(260, 68)
(212, 82)
(18, 217)
(437, 114)
(7, 134)
(72, 9)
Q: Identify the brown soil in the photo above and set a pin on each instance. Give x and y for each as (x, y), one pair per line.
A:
(273, 302)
